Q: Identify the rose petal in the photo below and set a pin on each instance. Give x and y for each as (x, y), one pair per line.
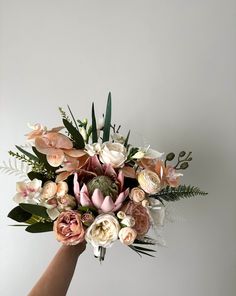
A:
(76, 187)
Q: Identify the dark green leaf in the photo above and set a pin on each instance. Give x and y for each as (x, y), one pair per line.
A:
(107, 124)
(30, 155)
(143, 249)
(33, 175)
(184, 166)
(43, 159)
(182, 154)
(94, 126)
(170, 156)
(18, 214)
(127, 139)
(40, 227)
(72, 117)
(35, 209)
(75, 134)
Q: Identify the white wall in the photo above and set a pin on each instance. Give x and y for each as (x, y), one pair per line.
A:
(171, 68)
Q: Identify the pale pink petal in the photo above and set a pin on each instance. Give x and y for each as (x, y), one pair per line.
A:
(122, 196)
(56, 159)
(96, 165)
(84, 189)
(58, 140)
(97, 198)
(76, 187)
(21, 186)
(117, 207)
(84, 200)
(18, 198)
(62, 176)
(109, 171)
(75, 152)
(42, 144)
(107, 205)
(121, 178)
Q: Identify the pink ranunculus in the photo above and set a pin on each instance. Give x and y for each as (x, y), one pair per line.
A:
(127, 235)
(140, 215)
(68, 228)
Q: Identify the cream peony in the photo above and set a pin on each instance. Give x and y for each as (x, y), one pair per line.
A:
(113, 153)
(127, 235)
(104, 231)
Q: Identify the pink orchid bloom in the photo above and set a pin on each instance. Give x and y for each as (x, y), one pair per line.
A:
(55, 146)
(38, 130)
(104, 204)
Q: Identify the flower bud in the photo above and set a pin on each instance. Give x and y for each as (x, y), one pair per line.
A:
(128, 221)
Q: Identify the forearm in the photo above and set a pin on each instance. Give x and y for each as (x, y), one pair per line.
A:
(57, 277)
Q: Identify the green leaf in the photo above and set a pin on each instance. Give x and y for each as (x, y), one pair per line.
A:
(139, 252)
(18, 214)
(72, 117)
(94, 126)
(40, 227)
(75, 134)
(30, 155)
(127, 139)
(35, 210)
(43, 159)
(87, 209)
(176, 193)
(143, 249)
(107, 124)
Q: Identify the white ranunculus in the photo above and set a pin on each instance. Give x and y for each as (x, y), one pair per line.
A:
(93, 149)
(128, 221)
(113, 153)
(103, 231)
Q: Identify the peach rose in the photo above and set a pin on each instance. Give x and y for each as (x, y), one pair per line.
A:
(140, 215)
(68, 228)
(137, 194)
(127, 235)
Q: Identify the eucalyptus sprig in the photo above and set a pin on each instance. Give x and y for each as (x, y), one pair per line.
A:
(182, 162)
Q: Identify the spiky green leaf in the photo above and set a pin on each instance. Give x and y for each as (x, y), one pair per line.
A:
(75, 134)
(94, 126)
(107, 124)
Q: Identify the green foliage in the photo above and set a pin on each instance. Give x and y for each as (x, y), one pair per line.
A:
(141, 250)
(72, 116)
(182, 162)
(29, 155)
(182, 191)
(20, 215)
(35, 209)
(40, 227)
(75, 134)
(94, 126)
(127, 139)
(107, 124)
(63, 114)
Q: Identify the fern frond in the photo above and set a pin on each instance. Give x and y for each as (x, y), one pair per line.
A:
(176, 193)
(13, 167)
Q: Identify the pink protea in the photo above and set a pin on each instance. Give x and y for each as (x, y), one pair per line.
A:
(103, 189)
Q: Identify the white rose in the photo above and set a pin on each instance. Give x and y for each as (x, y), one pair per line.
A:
(113, 153)
(127, 235)
(128, 221)
(103, 231)
(93, 149)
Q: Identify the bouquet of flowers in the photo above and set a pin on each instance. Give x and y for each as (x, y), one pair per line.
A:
(86, 182)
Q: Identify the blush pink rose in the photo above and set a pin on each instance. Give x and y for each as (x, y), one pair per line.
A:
(140, 215)
(68, 228)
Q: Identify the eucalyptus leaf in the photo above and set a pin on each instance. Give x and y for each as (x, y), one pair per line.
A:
(35, 209)
(18, 214)
(40, 227)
